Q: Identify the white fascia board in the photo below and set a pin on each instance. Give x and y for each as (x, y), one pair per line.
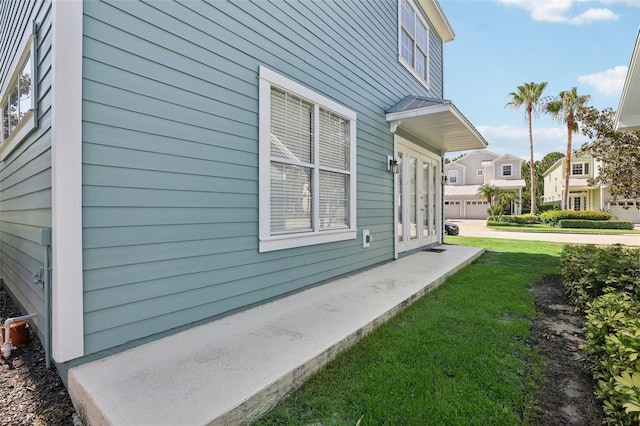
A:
(630, 93)
(437, 17)
(67, 334)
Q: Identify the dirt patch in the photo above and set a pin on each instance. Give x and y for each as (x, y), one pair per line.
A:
(30, 394)
(565, 395)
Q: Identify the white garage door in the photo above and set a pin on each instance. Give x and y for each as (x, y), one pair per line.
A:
(632, 214)
(476, 209)
(452, 210)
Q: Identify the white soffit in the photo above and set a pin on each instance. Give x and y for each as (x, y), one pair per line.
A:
(628, 114)
(437, 122)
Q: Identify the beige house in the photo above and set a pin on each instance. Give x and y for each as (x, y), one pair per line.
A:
(583, 196)
(465, 175)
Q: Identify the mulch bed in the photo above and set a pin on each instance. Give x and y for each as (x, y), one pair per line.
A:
(30, 394)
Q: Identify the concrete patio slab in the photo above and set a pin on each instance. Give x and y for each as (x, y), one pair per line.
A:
(233, 369)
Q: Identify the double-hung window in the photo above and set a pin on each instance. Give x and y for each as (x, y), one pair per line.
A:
(579, 168)
(17, 100)
(413, 41)
(307, 166)
(507, 170)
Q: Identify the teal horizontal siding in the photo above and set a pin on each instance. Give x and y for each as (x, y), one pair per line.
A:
(170, 152)
(25, 174)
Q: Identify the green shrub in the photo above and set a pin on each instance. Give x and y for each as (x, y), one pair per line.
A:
(554, 216)
(595, 224)
(547, 207)
(612, 353)
(587, 270)
(521, 219)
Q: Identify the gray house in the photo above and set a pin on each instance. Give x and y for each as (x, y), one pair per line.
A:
(467, 174)
(167, 163)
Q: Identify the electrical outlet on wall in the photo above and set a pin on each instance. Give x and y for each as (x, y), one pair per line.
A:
(366, 238)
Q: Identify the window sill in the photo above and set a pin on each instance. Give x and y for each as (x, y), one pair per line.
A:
(301, 240)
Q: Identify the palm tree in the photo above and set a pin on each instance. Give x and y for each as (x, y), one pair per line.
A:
(491, 193)
(564, 108)
(529, 95)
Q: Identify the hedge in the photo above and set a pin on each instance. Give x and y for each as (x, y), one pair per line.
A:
(595, 224)
(554, 216)
(520, 219)
(612, 352)
(587, 270)
(605, 283)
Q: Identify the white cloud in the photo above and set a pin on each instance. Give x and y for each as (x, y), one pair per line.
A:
(559, 11)
(514, 140)
(608, 82)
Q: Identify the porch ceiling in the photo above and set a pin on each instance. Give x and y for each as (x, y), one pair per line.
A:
(436, 121)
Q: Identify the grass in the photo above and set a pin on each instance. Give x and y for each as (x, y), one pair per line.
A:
(541, 227)
(457, 356)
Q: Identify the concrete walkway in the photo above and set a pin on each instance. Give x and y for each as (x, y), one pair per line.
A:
(478, 228)
(231, 370)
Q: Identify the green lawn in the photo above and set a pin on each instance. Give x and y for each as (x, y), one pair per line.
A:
(540, 227)
(456, 357)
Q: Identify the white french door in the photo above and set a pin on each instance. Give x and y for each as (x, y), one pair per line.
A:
(417, 195)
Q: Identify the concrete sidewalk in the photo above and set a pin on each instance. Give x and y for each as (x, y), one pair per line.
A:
(478, 228)
(229, 371)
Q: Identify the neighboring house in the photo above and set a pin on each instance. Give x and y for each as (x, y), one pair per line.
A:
(467, 174)
(582, 195)
(165, 163)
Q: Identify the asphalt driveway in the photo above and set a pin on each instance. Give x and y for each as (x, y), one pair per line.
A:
(478, 228)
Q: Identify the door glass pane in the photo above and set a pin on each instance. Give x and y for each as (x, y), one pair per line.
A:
(413, 198)
(434, 198)
(399, 200)
(425, 198)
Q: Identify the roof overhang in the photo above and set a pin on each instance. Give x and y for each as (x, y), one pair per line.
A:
(437, 122)
(628, 114)
(438, 19)
(509, 183)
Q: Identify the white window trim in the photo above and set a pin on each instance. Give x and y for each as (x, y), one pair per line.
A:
(502, 170)
(479, 172)
(28, 123)
(269, 242)
(401, 59)
(451, 174)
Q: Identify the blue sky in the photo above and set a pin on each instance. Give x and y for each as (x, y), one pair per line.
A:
(501, 44)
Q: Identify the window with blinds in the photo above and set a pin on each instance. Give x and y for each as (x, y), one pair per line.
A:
(307, 142)
(414, 40)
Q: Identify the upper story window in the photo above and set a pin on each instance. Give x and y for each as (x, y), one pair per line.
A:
(479, 172)
(413, 40)
(579, 168)
(453, 176)
(507, 170)
(307, 166)
(17, 101)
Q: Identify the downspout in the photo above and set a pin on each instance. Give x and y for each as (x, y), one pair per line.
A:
(45, 242)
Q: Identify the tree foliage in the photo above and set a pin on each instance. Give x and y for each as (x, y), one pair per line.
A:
(541, 166)
(618, 151)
